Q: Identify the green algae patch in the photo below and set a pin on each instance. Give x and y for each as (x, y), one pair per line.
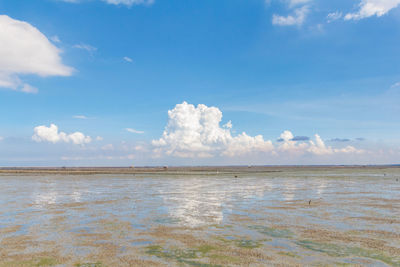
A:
(344, 264)
(225, 259)
(344, 251)
(199, 264)
(186, 256)
(204, 249)
(171, 254)
(221, 226)
(47, 262)
(272, 232)
(289, 254)
(222, 239)
(248, 243)
(242, 243)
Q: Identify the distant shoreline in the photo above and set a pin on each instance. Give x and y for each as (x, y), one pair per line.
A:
(183, 169)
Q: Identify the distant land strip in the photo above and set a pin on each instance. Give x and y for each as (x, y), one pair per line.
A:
(182, 170)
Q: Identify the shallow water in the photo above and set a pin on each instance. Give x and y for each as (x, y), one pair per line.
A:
(267, 218)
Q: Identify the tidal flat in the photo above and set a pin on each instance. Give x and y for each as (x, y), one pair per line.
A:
(249, 216)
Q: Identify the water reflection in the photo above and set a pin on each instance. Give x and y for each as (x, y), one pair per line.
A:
(203, 201)
(289, 189)
(193, 203)
(188, 200)
(45, 198)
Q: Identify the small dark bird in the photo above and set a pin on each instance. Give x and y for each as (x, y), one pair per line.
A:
(309, 202)
(236, 176)
(397, 179)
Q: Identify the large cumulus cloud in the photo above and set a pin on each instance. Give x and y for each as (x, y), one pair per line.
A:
(196, 132)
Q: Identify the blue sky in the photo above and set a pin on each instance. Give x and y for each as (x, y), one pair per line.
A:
(98, 68)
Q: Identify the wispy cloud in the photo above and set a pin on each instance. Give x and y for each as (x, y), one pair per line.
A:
(127, 59)
(395, 85)
(55, 39)
(134, 131)
(369, 8)
(29, 89)
(129, 2)
(334, 16)
(293, 3)
(88, 48)
(81, 117)
(297, 18)
(300, 138)
(108, 147)
(339, 140)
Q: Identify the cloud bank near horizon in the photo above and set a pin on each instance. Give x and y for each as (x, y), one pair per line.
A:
(195, 132)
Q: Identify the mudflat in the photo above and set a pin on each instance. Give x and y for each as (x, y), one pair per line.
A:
(200, 216)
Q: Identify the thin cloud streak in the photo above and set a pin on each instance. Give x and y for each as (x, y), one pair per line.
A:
(134, 131)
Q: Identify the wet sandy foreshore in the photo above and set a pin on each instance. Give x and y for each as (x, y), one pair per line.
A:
(319, 216)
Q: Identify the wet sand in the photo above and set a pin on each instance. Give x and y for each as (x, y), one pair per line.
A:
(214, 216)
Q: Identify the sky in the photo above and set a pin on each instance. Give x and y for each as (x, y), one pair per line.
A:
(199, 82)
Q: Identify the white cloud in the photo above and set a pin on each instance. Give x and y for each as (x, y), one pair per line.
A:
(319, 148)
(1, 138)
(369, 8)
(286, 136)
(134, 131)
(100, 157)
(297, 18)
(195, 132)
(25, 50)
(108, 147)
(86, 47)
(298, 2)
(128, 59)
(81, 117)
(129, 2)
(334, 16)
(55, 39)
(316, 147)
(289, 145)
(99, 138)
(228, 125)
(51, 134)
(26, 88)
